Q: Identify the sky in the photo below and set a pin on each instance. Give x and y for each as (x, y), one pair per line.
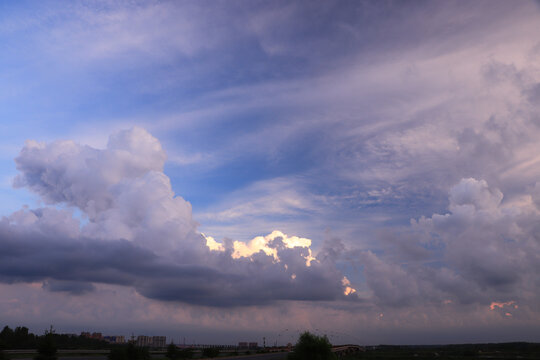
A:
(224, 171)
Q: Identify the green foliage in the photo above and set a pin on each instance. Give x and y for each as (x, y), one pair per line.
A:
(210, 352)
(172, 352)
(21, 338)
(312, 347)
(47, 347)
(18, 338)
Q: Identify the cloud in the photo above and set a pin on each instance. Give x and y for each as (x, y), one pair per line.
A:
(481, 252)
(386, 136)
(476, 193)
(271, 244)
(72, 287)
(279, 197)
(136, 232)
(119, 31)
(302, 119)
(81, 176)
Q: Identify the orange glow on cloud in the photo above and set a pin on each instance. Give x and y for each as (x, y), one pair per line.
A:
(496, 304)
(212, 244)
(348, 289)
(261, 243)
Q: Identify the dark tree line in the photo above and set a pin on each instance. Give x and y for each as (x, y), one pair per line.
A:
(21, 338)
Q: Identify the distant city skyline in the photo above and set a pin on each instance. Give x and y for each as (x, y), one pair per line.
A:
(234, 170)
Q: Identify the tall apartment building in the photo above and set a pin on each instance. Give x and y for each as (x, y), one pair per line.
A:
(115, 339)
(159, 341)
(120, 339)
(152, 341)
(143, 340)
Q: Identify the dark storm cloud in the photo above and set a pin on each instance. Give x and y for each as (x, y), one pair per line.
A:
(71, 287)
(139, 233)
(72, 265)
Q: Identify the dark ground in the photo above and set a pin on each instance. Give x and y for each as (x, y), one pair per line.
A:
(522, 351)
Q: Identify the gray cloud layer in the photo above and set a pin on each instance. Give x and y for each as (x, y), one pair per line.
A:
(479, 253)
(136, 232)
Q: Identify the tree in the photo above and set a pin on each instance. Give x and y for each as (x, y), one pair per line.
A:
(172, 352)
(312, 347)
(47, 347)
(6, 336)
(137, 353)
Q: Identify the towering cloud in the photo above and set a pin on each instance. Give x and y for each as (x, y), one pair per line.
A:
(480, 253)
(134, 231)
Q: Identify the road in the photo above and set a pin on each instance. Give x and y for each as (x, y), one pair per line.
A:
(271, 356)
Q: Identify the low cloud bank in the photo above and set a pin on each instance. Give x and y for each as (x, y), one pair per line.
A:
(137, 233)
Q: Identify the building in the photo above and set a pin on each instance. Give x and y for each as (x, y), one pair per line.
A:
(246, 345)
(143, 340)
(115, 339)
(95, 335)
(120, 339)
(151, 341)
(159, 341)
(110, 339)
